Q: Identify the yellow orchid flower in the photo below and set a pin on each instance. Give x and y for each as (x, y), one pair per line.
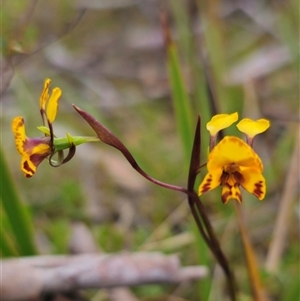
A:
(233, 163)
(35, 150)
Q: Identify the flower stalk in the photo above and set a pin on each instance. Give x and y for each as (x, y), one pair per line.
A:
(197, 208)
(255, 283)
(233, 163)
(107, 137)
(200, 215)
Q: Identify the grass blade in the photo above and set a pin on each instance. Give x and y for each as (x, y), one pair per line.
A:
(181, 101)
(16, 212)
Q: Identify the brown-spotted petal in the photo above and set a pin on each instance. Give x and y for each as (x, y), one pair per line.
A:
(231, 192)
(211, 181)
(254, 182)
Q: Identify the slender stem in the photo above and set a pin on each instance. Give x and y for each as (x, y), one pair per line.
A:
(199, 224)
(256, 288)
(198, 211)
(159, 183)
(217, 251)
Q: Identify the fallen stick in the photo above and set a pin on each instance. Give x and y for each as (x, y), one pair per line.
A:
(28, 277)
(82, 242)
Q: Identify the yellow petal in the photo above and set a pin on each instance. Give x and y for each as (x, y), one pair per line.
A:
(41, 149)
(220, 122)
(233, 150)
(231, 192)
(18, 129)
(53, 104)
(27, 167)
(33, 157)
(251, 127)
(45, 94)
(254, 182)
(211, 181)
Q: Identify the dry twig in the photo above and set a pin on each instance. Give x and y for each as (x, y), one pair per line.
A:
(28, 277)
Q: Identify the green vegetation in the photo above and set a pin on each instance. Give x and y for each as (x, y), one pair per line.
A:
(112, 63)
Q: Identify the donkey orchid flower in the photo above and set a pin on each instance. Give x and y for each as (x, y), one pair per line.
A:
(233, 163)
(34, 150)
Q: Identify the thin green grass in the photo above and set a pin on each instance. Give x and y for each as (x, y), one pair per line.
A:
(181, 101)
(17, 214)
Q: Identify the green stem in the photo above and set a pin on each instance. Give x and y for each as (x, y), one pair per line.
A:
(64, 143)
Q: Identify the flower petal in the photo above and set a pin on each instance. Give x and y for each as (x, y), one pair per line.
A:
(231, 192)
(27, 166)
(41, 149)
(251, 127)
(220, 122)
(233, 150)
(33, 156)
(45, 94)
(254, 182)
(18, 128)
(53, 105)
(32, 150)
(211, 181)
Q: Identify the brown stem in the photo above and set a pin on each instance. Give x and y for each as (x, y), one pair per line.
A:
(199, 213)
(197, 208)
(199, 223)
(107, 137)
(216, 249)
(256, 288)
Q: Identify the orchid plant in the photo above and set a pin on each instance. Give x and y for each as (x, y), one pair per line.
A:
(231, 162)
(34, 150)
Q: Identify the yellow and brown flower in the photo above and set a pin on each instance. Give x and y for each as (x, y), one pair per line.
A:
(32, 150)
(35, 150)
(233, 163)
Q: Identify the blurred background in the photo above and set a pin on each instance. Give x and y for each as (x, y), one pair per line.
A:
(109, 58)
